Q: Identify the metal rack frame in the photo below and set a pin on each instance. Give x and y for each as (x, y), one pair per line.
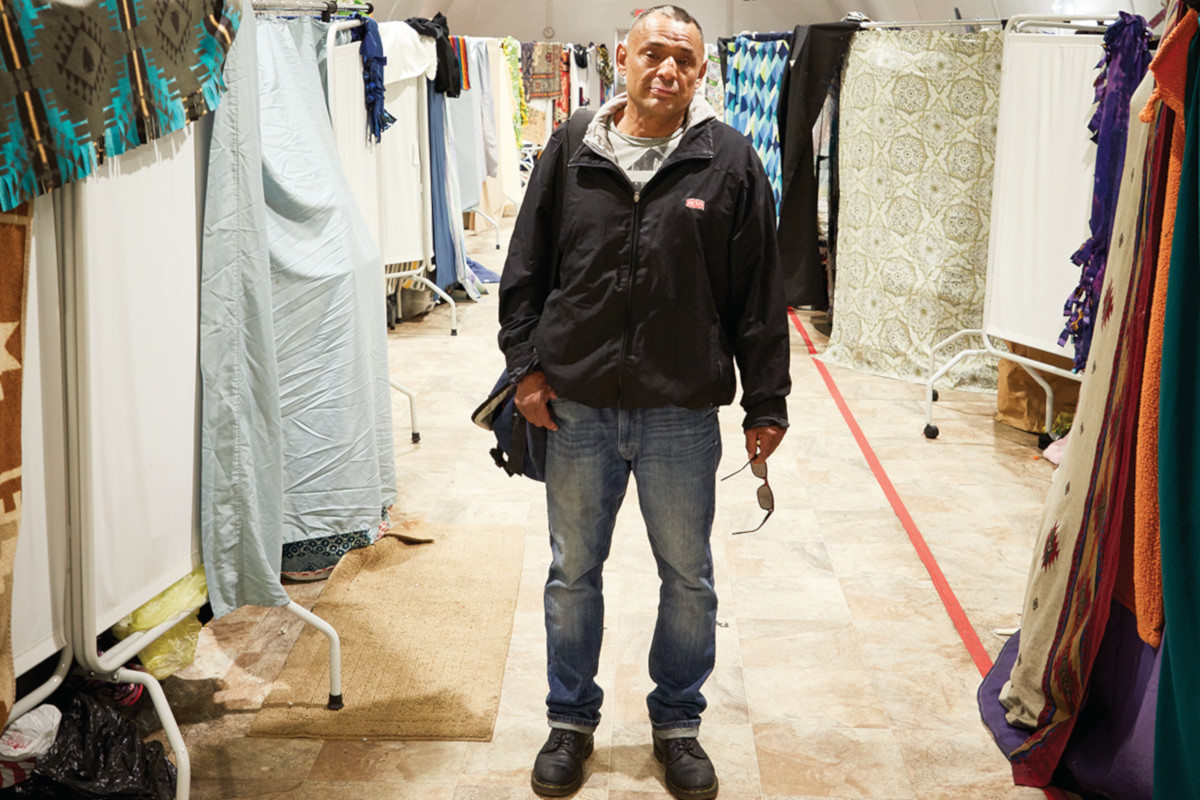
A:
(1020, 23)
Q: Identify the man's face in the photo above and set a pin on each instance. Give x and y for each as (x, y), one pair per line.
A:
(662, 61)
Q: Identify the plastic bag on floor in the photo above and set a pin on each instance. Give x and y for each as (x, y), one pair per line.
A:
(176, 648)
(23, 740)
(98, 755)
(31, 734)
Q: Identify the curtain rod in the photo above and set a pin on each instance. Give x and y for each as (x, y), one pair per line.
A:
(933, 24)
(1083, 22)
(328, 8)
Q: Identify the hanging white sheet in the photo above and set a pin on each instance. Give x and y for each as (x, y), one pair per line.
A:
(464, 121)
(509, 173)
(131, 251)
(40, 571)
(387, 177)
(482, 69)
(359, 156)
(1042, 193)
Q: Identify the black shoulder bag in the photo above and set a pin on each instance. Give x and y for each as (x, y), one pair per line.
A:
(520, 447)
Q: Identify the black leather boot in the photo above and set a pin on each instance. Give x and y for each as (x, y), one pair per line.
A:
(558, 768)
(690, 775)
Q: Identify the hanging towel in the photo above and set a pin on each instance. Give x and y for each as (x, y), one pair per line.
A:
(562, 103)
(1127, 54)
(512, 54)
(1170, 72)
(459, 44)
(714, 81)
(1177, 727)
(607, 79)
(449, 70)
(373, 62)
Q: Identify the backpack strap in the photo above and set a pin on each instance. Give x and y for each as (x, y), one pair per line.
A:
(576, 128)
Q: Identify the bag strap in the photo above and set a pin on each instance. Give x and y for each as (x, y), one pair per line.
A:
(576, 128)
(517, 445)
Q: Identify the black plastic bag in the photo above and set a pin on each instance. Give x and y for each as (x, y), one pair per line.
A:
(98, 754)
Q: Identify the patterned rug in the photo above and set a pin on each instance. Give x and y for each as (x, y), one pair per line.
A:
(15, 233)
(915, 159)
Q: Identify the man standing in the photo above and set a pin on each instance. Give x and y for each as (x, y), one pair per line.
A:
(637, 274)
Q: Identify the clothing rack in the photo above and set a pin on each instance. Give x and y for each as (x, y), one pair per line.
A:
(328, 8)
(950, 23)
(1096, 24)
(1021, 23)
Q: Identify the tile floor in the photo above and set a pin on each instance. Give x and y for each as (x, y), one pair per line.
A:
(839, 673)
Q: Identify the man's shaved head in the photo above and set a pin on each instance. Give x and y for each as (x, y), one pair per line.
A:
(672, 12)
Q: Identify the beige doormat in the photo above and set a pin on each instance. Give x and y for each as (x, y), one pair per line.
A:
(424, 631)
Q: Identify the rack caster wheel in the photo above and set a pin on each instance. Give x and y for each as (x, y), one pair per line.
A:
(416, 437)
(931, 431)
(1044, 440)
(935, 399)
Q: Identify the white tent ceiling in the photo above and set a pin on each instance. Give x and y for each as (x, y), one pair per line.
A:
(598, 20)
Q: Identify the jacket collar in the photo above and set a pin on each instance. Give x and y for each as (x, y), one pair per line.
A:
(597, 135)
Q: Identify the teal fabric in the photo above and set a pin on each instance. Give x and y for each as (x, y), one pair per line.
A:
(84, 81)
(1177, 732)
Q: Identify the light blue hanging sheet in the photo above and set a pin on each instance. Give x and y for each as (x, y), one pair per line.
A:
(297, 427)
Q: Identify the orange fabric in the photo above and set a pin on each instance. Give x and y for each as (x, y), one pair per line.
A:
(15, 228)
(1170, 73)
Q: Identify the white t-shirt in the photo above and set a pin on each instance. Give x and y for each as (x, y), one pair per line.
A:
(640, 158)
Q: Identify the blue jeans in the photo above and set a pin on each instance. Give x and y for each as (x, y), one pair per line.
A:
(673, 454)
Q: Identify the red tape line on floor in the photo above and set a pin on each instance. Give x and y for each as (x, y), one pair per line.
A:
(959, 617)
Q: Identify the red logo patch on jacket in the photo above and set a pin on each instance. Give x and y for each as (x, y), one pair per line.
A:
(694, 202)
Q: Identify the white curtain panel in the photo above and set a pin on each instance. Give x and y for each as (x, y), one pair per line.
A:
(1043, 184)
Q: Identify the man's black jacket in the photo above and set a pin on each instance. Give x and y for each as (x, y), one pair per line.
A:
(655, 293)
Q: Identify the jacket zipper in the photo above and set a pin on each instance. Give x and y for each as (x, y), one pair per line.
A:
(637, 218)
(633, 248)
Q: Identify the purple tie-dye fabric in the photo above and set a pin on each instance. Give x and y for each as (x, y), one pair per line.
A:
(1126, 58)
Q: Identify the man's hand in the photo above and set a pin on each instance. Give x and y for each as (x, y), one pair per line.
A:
(761, 442)
(533, 400)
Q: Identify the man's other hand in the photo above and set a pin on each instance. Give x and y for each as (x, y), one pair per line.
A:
(760, 442)
(533, 400)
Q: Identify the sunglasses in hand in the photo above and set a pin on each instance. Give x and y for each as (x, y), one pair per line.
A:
(766, 498)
